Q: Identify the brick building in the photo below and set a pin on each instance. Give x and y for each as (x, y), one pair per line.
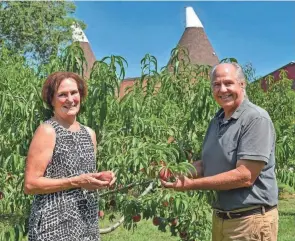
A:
(290, 71)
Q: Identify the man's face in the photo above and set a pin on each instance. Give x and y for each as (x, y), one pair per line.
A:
(227, 91)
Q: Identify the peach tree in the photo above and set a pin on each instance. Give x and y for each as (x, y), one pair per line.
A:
(132, 133)
(159, 123)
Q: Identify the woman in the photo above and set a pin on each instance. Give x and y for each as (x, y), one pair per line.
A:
(61, 169)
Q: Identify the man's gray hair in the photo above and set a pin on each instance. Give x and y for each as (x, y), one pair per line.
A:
(239, 72)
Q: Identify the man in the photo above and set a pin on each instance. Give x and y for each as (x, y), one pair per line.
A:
(238, 161)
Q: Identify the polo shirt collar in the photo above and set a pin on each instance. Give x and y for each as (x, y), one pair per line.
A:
(237, 113)
(240, 109)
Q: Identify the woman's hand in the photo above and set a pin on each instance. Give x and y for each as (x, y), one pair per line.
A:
(107, 176)
(90, 181)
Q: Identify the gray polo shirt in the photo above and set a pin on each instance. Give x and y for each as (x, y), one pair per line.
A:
(249, 134)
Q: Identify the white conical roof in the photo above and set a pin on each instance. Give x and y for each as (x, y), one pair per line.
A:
(78, 34)
(192, 19)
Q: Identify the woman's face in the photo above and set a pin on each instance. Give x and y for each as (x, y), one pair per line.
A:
(66, 100)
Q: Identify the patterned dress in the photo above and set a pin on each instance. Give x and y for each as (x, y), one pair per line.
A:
(70, 215)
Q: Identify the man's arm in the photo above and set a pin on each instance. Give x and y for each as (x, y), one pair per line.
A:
(244, 175)
(255, 147)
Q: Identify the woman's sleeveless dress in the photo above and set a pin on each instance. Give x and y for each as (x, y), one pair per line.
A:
(70, 215)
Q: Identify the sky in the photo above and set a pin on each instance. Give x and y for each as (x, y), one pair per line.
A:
(260, 33)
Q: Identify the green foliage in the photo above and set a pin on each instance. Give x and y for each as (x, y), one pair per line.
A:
(285, 191)
(36, 29)
(21, 111)
(286, 219)
(132, 133)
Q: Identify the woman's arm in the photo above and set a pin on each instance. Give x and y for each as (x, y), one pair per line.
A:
(39, 155)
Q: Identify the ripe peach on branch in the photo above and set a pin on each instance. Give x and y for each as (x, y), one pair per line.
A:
(136, 218)
(100, 213)
(156, 221)
(165, 174)
(106, 176)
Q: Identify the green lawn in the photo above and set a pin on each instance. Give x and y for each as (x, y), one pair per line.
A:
(147, 232)
(287, 220)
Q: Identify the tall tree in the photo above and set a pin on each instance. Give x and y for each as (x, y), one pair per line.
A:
(36, 30)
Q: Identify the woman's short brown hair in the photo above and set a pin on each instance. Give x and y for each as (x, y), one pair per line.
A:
(53, 81)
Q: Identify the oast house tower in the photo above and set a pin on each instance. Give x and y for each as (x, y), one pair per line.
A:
(80, 37)
(194, 39)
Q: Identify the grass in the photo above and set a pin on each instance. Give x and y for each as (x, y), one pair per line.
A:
(146, 231)
(287, 219)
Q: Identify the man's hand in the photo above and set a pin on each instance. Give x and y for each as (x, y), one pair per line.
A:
(182, 183)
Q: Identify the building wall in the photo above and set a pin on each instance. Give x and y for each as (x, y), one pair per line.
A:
(290, 68)
(125, 87)
(127, 84)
